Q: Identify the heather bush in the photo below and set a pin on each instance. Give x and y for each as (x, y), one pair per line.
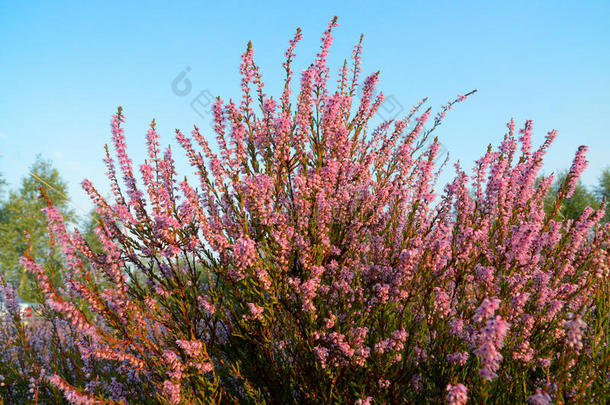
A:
(311, 261)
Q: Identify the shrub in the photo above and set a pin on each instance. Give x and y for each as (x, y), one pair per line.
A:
(310, 261)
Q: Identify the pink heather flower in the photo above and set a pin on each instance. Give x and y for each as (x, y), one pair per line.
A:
(574, 332)
(578, 166)
(457, 327)
(341, 344)
(322, 70)
(365, 103)
(173, 391)
(192, 347)
(442, 302)
(384, 383)
(162, 291)
(399, 337)
(457, 394)
(526, 137)
(304, 106)
(540, 398)
(382, 292)
(490, 340)
(172, 360)
(545, 363)
(382, 346)
(203, 367)
(518, 303)
(245, 252)
(487, 309)
(364, 401)
(459, 358)
(524, 352)
(511, 126)
(73, 395)
(206, 305)
(322, 354)
(289, 56)
(330, 321)
(256, 311)
(485, 274)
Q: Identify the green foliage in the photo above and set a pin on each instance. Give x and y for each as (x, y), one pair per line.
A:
(2, 185)
(572, 207)
(603, 191)
(21, 215)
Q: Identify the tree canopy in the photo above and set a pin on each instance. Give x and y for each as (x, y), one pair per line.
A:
(23, 225)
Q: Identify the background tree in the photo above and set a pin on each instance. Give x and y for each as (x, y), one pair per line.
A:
(572, 207)
(2, 185)
(20, 215)
(603, 190)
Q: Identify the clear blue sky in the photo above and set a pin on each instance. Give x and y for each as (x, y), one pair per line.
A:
(66, 66)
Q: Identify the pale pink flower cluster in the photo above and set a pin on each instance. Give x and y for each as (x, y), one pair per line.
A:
(192, 348)
(322, 355)
(173, 391)
(459, 358)
(457, 394)
(176, 367)
(578, 166)
(490, 341)
(574, 332)
(71, 393)
(245, 252)
(487, 309)
(256, 311)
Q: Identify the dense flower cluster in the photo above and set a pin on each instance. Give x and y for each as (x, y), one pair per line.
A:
(457, 395)
(310, 260)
